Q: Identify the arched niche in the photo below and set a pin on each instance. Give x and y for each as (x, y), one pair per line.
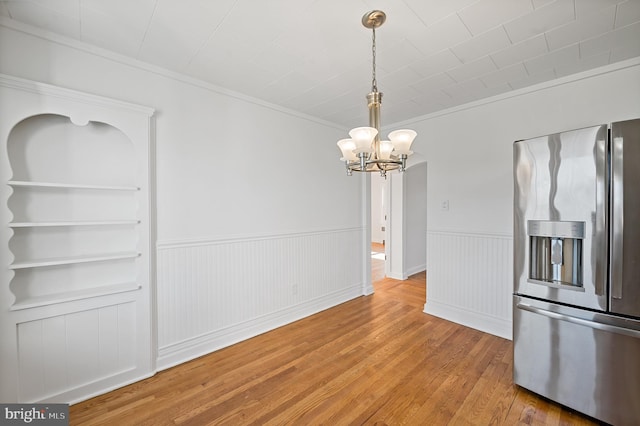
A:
(74, 208)
(51, 148)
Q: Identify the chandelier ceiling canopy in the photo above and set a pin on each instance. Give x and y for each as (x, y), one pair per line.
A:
(364, 151)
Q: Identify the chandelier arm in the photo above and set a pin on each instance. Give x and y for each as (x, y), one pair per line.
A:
(363, 161)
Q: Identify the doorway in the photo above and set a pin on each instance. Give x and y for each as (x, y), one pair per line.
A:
(398, 223)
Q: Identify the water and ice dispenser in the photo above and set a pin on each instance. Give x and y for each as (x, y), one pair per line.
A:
(555, 253)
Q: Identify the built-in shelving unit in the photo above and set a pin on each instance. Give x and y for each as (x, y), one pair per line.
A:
(51, 190)
(76, 242)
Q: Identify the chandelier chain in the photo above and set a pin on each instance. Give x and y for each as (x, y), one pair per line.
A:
(374, 82)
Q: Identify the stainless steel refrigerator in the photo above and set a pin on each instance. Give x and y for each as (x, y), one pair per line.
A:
(576, 302)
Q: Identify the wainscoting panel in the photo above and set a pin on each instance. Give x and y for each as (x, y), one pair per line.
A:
(469, 280)
(211, 294)
(63, 353)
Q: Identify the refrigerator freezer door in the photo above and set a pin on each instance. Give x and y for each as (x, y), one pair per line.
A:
(585, 360)
(625, 203)
(560, 210)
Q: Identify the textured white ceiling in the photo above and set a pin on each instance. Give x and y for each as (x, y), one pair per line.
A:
(314, 56)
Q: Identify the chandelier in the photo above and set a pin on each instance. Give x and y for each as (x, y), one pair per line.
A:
(364, 151)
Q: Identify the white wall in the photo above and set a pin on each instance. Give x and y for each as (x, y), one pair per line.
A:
(416, 219)
(257, 222)
(469, 150)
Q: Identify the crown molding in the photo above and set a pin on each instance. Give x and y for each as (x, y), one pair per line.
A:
(145, 66)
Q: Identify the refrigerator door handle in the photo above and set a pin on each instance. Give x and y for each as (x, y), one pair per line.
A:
(579, 321)
(601, 234)
(617, 216)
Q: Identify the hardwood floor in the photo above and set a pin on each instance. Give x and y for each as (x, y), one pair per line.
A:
(377, 262)
(376, 360)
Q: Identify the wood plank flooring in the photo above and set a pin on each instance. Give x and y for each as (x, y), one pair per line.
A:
(377, 262)
(376, 360)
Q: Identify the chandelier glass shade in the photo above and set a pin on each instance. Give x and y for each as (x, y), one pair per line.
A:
(364, 151)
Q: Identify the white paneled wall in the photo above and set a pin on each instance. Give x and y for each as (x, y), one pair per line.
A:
(65, 352)
(214, 293)
(473, 273)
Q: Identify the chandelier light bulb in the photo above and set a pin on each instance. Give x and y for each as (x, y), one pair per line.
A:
(385, 150)
(363, 138)
(402, 140)
(347, 146)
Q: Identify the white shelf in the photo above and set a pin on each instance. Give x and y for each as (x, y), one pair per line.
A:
(20, 183)
(73, 260)
(73, 223)
(52, 299)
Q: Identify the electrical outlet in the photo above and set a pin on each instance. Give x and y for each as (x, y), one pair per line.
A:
(294, 289)
(444, 205)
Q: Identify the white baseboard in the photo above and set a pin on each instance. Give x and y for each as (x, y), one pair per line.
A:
(397, 276)
(416, 269)
(403, 275)
(486, 323)
(367, 290)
